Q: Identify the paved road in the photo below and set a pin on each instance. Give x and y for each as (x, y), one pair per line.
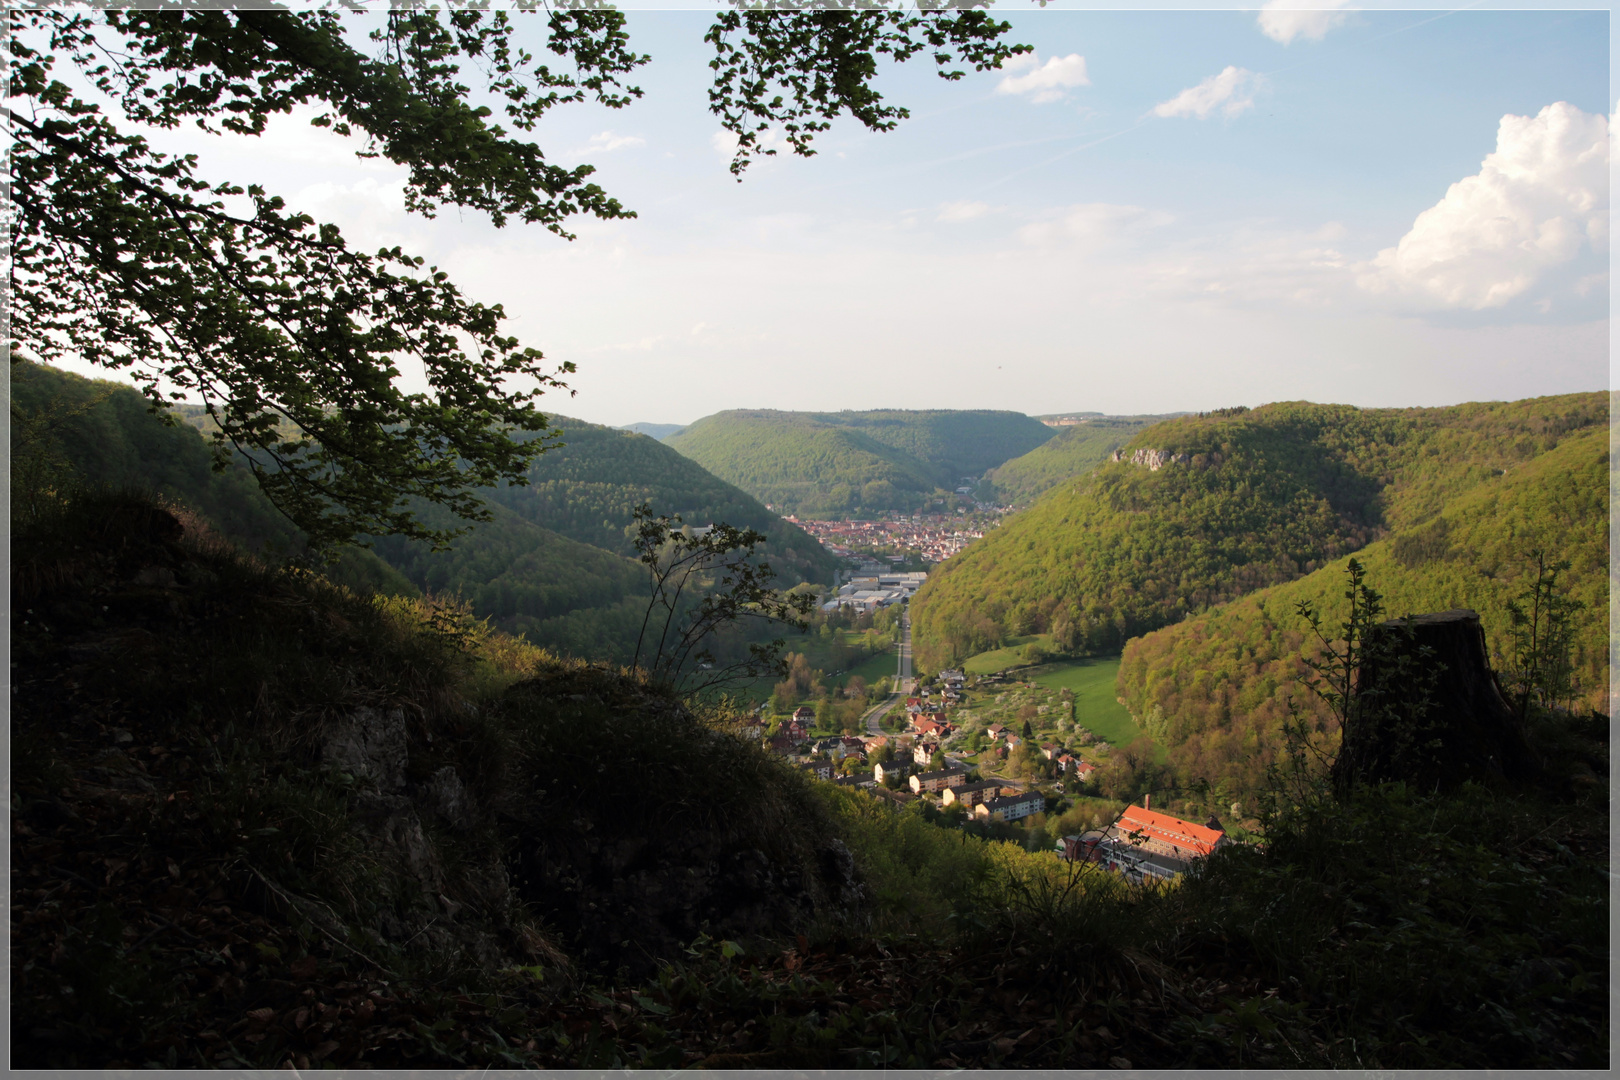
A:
(905, 684)
(875, 714)
(903, 679)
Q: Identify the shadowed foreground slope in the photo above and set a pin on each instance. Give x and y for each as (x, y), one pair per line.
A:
(261, 821)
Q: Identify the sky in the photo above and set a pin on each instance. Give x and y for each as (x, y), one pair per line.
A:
(1154, 212)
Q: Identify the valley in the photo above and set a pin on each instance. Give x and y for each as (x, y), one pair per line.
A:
(1129, 633)
(925, 538)
(372, 710)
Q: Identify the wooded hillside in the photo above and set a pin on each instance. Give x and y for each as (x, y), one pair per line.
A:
(1214, 689)
(587, 488)
(830, 464)
(1246, 500)
(1070, 454)
(552, 565)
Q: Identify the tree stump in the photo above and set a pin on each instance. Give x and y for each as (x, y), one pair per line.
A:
(1468, 731)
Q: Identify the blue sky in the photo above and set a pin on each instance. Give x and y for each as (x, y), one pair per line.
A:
(1160, 211)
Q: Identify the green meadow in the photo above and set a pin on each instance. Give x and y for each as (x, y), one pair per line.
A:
(1010, 655)
(1096, 703)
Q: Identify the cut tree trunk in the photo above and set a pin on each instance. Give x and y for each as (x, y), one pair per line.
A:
(1466, 731)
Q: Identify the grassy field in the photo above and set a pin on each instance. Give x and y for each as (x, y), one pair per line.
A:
(1009, 656)
(883, 664)
(1095, 704)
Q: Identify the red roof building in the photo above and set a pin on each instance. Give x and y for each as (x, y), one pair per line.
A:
(1166, 834)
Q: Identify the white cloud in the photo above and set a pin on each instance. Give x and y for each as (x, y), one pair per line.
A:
(1281, 21)
(725, 143)
(1539, 203)
(962, 210)
(1094, 223)
(606, 142)
(1231, 91)
(292, 137)
(371, 214)
(1047, 82)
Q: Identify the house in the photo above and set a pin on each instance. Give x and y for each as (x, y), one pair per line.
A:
(897, 768)
(1065, 762)
(970, 795)
(781, 744)
(872, 742)
(997, 731)
(936, 781)
(1011, 807)
(821, 768)
(795, 727)
(1083, 771)
(851, 744)
(924, 752)
(1050, 750)
(929, 725)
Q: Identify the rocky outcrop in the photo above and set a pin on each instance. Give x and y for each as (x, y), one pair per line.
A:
(465, 912)
(1153, 459)
(1158, 459)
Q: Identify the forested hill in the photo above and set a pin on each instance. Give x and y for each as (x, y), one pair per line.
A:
(828, 464)
(1074, 451)
(552, 565)
(1240, 500)
(961, 442)
(556, 591)
(587, 488)
(1214, 689)
(68, 431)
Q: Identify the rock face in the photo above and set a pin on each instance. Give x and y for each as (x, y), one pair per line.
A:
(1153, 459)
(1468, 731)
(372, 746)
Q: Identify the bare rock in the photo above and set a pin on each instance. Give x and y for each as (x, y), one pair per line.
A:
(370, 744)
(1152, 458)
(449, 798)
